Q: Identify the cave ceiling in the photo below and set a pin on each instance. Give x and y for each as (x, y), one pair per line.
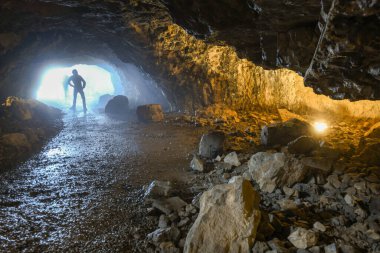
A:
(335, 45)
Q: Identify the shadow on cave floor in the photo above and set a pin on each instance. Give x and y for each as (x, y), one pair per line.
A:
(83, 191)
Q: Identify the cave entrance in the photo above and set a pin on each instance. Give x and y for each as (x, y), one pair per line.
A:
(53, 88)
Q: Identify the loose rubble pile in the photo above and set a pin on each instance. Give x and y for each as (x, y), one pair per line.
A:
(297, 192)
(24, 126)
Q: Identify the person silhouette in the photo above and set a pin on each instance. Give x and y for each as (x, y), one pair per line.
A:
(78, 83)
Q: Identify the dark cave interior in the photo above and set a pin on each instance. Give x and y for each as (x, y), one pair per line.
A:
(213, 126)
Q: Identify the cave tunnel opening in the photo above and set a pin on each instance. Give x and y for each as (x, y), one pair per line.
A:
(102, 78)
(54, 89)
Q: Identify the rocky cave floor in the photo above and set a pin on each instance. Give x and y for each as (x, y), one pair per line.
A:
(87, 190)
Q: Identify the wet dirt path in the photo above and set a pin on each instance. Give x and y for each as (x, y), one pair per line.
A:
(82, 192)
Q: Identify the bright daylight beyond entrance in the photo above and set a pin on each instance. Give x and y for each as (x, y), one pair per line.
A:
(54, 89)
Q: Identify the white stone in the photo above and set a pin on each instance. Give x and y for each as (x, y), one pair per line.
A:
(228, 219)
(158, 189)
(319, 226)
(331, 248)
(349, 199)
(163, 221)
(218, 158)
(302, 238)
(232, 159)
(287, 204)
(197, 164)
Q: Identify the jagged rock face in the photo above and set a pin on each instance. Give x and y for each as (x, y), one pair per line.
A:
(203, 69)
(347, 63)
(270, 33)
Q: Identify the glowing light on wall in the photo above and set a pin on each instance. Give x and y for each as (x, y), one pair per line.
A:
(320, 127)
(54, 90)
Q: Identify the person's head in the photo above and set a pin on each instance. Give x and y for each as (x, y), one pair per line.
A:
(75, 72)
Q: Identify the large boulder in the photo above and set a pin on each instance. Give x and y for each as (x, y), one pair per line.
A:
(150, 113)
(272, 170)
(211, 144)
(284, 132)
(119, 105)
(29, 109)
(303, 145)
(228, 219)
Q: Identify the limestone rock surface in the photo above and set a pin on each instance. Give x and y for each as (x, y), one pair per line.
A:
(228, 219)
(272, 170)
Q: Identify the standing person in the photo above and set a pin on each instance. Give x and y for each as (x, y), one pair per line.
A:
(78, 83)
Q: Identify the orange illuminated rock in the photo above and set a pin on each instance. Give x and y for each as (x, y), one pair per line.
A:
(150, 113)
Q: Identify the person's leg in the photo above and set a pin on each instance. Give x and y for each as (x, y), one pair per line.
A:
(81, 92)
(75, 100)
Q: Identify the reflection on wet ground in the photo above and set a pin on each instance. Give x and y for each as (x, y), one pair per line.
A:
(82, 192)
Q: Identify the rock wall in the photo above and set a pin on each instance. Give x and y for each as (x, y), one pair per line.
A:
(346, 62)
(194, 70)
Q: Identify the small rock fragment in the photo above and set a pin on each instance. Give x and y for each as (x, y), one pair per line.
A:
(163, 221)
(302, 238)
(331, 248)
(260, 247)
(319, 226)
(164, 235)
(232, 159)
(349, 199)
(158, 189)
(197, 164)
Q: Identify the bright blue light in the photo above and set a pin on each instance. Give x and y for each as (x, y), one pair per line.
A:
(52, 88)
